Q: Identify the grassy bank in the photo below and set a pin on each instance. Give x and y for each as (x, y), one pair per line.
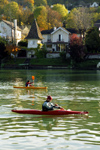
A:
(42, 61)
(87, 64)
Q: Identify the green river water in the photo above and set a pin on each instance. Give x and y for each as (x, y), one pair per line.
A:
(75, 90)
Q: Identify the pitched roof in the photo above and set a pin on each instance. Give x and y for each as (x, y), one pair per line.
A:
(61, 28)
(34, 32)
(11, 24)
(72, 30)
(53, 30)
(47, 31)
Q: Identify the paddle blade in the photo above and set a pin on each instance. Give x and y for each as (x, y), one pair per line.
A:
(33, 77)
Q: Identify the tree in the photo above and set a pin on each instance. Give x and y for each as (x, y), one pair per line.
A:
(38, 10)
(61, 9)
(82, 19)
(3, 2)
(92, 40)
(11, 10)
(29, 4)
(42, 20)
(3, 52)
(49, 19)
(40, 2)
(76, 48)
(26, 13)
(12, 49)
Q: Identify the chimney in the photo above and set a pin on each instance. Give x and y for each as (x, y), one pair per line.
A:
(15, 31)
(54, 28)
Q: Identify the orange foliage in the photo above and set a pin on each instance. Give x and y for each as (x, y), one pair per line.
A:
(74, 39)
(12, 49)
(30, 1)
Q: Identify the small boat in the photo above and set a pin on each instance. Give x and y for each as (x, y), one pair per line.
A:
(53, 112)
(29, 87)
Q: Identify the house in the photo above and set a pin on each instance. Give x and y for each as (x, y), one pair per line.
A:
(56, 40)
(11, 31)
(34, 36)
(97, 24)
(95, 4)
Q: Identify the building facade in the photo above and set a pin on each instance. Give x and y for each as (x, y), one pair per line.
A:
(10, 31)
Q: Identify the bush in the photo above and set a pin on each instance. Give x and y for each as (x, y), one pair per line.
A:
(23, 43)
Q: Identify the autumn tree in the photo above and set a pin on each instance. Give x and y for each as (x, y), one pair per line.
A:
(38, 10)
(76, 48)
(61, 9)
(2, 5)
(11, 10)
(49, 19)
(29, 4)
(12, 49)
(40, 2)
(42, 19)
(26, 13)
(81, 19)
(4, 2)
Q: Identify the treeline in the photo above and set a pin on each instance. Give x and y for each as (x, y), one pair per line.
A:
(51, 2)
(55, 15)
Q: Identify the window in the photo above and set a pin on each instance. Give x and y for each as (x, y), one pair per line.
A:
(33, 42)
(60, 37)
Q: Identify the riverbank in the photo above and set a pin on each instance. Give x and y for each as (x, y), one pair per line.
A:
(54, 63)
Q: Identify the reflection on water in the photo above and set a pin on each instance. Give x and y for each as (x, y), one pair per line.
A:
(75, 90)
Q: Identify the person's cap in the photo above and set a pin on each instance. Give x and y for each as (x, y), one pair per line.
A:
(49, 98)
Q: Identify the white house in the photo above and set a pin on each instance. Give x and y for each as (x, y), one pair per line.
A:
(11, 31)
(95, 4)
(56, 39)
(34, 36)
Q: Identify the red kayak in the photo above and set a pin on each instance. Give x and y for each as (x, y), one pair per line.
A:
(53, 112)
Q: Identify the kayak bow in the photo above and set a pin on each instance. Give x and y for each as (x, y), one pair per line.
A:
(30, 87)
(53, 112)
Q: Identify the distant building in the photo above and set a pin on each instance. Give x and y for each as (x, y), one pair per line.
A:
(97, 24)
(56, 39)
(34, 36)
(95, 4)
(10, 31)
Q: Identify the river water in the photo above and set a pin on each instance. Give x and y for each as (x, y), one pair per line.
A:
(75, 90)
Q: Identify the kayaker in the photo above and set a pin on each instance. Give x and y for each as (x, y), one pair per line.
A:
(28, 83)
(47, 105)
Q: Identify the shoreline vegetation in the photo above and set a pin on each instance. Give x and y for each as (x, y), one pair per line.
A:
(48, 63)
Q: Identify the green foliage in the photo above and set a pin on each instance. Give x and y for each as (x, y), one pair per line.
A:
(40, 52)
(40, 2)
(3, 53)
(47, 61)
(63, 55)
(92, 40)
(23, 43)
(61, 9)
(11, 10)
(38, 10)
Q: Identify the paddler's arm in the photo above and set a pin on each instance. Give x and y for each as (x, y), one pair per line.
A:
(57, 106)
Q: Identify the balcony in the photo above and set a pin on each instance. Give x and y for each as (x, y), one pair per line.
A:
(60, 40)
(49, 40)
